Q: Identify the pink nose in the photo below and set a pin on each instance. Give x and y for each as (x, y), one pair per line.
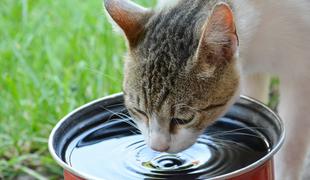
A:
(160, 148)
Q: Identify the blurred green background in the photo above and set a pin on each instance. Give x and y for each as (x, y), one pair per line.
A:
(55, 55)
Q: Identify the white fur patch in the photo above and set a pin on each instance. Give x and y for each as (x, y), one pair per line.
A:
(166, 3)
(184, 139)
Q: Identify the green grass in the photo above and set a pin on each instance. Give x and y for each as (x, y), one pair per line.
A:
(54, 57)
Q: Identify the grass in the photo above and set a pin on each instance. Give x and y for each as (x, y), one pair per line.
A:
(54, 57)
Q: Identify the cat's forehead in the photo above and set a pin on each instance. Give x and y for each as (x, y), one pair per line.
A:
(173, 35)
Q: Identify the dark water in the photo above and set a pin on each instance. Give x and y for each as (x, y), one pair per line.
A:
(114, 150)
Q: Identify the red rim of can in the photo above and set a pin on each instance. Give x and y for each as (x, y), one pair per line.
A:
(265, 164)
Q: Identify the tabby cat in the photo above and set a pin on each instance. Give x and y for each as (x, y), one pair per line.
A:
(189, 60)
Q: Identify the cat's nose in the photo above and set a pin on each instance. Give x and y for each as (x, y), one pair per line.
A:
(160, 148)
(159, 143)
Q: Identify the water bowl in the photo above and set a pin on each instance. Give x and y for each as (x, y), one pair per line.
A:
(99, 141)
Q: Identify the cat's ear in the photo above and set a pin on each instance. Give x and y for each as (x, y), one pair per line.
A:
(219, 40)
(130, 17)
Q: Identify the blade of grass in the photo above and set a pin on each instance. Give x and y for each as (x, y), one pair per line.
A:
(32, 173)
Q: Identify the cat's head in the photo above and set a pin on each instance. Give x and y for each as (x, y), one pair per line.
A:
(180, 73)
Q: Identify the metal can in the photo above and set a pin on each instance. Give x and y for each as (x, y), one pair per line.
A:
(247, 121)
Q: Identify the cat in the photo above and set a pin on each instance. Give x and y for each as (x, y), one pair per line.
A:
(189, 60)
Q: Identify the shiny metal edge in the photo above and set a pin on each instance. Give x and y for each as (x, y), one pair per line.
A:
(51, 149)
(268, 156)
(233, 174)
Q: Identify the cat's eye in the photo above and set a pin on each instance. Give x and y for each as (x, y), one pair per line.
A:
(180, 122)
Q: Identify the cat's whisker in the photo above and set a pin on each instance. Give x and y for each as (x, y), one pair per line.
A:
(123, 117)
(130, 123)
(109, 110)
(116, 105)
(235, 130)
(135, 132)
(225, 142)
(97, 72)
(243, 134)
(128, 118)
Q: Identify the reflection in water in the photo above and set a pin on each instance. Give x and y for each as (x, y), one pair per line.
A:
(115, 150)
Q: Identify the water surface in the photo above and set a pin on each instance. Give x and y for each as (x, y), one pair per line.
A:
(115, 150)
